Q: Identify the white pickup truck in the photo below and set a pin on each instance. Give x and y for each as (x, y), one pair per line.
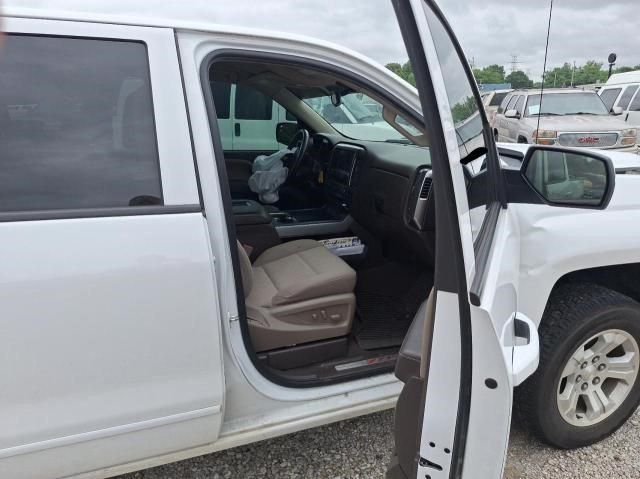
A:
(154, 310)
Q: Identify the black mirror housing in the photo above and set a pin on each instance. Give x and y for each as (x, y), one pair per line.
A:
(285, 132)
(570, 178)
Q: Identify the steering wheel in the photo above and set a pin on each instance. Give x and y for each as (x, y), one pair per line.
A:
(299, 144)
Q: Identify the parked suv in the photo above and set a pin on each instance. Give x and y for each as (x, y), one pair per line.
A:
(492, 101)
(621, 94)
(566, 117)
(151, 312)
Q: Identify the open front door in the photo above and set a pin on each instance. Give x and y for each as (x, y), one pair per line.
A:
(453, 416)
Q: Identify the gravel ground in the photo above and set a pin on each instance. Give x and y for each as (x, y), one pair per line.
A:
(360, 448)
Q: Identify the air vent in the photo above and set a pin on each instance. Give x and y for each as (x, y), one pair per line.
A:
(426, 187)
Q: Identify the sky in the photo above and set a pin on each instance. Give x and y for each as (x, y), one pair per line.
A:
(490, 31)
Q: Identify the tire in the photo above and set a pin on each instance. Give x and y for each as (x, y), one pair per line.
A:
(522, 139)
(576, 313)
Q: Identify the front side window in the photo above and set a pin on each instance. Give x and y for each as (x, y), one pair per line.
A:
(554, 104)
(76, 125)
(626, 96)
(608, 97)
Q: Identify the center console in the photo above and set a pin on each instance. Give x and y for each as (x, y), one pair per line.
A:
(333, 218)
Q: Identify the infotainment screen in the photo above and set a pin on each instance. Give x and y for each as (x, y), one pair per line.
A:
(341, 164)
(340, 175)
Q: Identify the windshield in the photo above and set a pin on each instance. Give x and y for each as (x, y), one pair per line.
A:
(566, 104)
(357, 116)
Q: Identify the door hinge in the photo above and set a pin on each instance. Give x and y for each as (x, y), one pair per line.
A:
(233, 318)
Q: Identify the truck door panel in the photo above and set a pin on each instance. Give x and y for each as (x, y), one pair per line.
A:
(110, 324)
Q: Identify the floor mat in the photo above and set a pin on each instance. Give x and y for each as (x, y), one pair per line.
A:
(387, 299)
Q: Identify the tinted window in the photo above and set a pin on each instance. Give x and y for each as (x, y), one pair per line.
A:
(252, 104)
(497, 99)
(635, 104)
(626, 96)
(520, 105)
(76, 125)
(608, 97)
(504, 103)
(221, 99)
(512, 103)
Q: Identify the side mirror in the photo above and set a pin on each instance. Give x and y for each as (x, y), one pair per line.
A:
(512, 114)
(565, 178)
(285, 132)
(617, 110)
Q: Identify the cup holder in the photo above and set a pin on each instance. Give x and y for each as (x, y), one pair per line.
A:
(282, 218)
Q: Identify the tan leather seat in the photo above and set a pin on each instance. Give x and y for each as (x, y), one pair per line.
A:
(295, 293)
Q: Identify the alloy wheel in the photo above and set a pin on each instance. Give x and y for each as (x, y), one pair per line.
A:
(598, 377)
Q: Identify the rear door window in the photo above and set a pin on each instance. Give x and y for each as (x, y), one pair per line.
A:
(504, 103)
(635, 104)
(512, 103)
(497, 99)
(519, 107)
(76, 125)
(626, 96)
(609, 97)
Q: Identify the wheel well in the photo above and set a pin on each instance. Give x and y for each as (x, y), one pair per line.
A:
(623, 278)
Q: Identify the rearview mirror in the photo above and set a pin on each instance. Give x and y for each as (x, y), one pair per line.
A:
(566, 178)
(617, 110)
(285, 132)
(512, 114)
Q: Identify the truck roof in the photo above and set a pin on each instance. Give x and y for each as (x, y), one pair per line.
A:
(621, 78)
(165, 18)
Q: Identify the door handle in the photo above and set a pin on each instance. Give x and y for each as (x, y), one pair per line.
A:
(237, 129)
(526, 351)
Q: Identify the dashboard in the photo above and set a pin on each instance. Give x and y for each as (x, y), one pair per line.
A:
(385, 187)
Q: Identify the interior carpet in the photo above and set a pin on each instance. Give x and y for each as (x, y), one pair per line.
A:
(388, 298)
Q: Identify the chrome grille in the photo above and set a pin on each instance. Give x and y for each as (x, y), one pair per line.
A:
(592, 140)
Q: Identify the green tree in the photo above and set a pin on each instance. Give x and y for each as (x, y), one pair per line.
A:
(559, 76)
(404, 71)
(519, 79)
(464, 109)
(489, 74)
(624, 69)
